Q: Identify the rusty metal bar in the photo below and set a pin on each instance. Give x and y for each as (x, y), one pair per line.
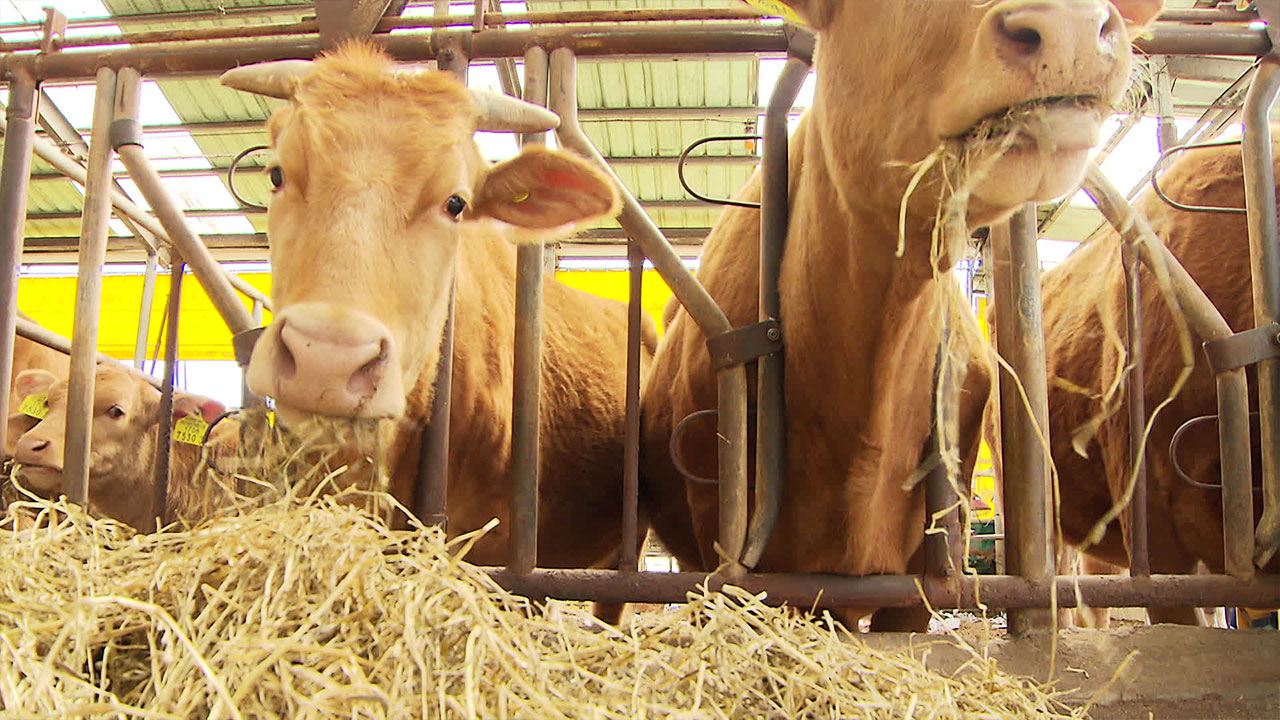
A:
(944, 548)
(160, 481)
(992, 591)
(431, 493)
(20, 130)
(1135, 393)
(93, 252)
(629, 554)
(771, 438)
(527, 374)
(144, 311)
(1264, 255)
(731, 382)
(1020, 339)
(1208, 323)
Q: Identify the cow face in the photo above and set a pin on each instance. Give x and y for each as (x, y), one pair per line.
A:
(377, 179)
(1019, 88)
(126, 413)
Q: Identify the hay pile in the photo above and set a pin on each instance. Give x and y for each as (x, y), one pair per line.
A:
(316, 608)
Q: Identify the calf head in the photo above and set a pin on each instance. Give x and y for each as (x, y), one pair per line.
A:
(126, 420)
(377, 180)
(1017, 89)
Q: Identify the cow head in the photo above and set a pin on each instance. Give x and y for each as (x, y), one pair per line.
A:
(377, 179)
(126, 417)
(1018, 88)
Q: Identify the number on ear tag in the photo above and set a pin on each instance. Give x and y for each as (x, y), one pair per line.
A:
(777, 8)
(190, 430)
(36, 406)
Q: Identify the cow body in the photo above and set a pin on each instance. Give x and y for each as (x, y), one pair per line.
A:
(1082, 298)
(383, 203)
(125, 429)
(862, 320)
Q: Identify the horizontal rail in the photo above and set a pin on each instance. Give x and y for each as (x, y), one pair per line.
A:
(993, 591)
(39, 335)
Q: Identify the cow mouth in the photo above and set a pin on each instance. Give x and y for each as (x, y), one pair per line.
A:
(41, 479)
(1066, 120)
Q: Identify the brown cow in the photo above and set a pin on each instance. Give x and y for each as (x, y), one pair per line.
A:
(1084, 295)
(861, 314)
(383, 201)
(125, 429)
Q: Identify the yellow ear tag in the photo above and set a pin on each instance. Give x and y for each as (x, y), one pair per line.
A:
(190, 430)
(777, 8)
(271, 418)
(36, 406)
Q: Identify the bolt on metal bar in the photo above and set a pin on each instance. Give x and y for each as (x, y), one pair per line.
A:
(522, 555)
(771, 438)
(93, 252)
(144, 311)
(629, 553)
(731, 382)
(20, 131)
(1233, 390)
(1264, 255)
(160, 482)
(1020, 338)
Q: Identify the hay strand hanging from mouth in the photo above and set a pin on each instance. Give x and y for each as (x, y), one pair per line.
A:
(317, 609)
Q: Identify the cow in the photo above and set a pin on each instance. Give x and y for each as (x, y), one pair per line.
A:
(382, 201)
(122, 459)
(1085, 295)
(864, 287)
(28, 355)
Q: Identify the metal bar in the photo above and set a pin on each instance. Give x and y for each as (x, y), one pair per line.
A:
(527, 373)
(144, 311)
(247, 398)
(1264, 255)
(771, 438)
(33, 332)
(1135, 392)
(160, 481)
(212, 276)
(93, 252)
(944, 548)
(431, 493)
(1208, 323)
(732, 385)
(20, 131)
(993, 591)
(629, 554)
(1020, 338)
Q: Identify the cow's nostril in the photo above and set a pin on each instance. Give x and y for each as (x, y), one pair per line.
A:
(364, 382)
(40, 446)
(1023, 39)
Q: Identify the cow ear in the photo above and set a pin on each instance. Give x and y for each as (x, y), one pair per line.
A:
(32, 382)
(1138, 14)
(544, 189)
(816, 14)
(188, 405)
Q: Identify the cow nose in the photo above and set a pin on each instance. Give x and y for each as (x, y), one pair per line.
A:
(1051, 37)
(32, 450)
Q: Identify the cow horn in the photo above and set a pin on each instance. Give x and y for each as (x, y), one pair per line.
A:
(275, 79)
(503, 113)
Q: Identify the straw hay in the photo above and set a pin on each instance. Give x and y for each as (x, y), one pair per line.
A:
(314, 608)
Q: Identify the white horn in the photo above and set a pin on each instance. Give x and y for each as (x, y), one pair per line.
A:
(503, 113)
(275, 79)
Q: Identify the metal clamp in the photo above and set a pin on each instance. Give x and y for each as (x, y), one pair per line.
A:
(125, 131)
(1243, 348)
(243, 344)
(741, 346)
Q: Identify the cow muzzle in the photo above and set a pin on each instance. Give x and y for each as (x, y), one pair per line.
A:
(323, 360)
(41, 463)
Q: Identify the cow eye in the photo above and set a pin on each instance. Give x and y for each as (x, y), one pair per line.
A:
(277, 177)
(455, 205)
(115, 412)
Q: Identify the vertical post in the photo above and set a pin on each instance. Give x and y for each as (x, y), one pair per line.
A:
(945, 551)
(160, 487)
(1166, 127)
(19, 134)
(1135, 393)
(144, 311)
(527, 372)
(432, 492)
(629, 556)
(1020, 339)
(247, 398)
(1264, 255)
(93, 253)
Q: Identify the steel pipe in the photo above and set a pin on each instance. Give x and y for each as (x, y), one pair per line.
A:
(93, 253)
(160, 481)
(629, 554)
(944, 547)
(20, 131)
(1135, 392)
(731, 383)
(33, 332)
(144, 311)
(1264, 256)
(1020, 339)
(1233, 390)
(527, 373)
(775, 212)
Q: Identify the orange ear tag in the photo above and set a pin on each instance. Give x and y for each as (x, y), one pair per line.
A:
(190, 430)
(36, 406)
(777, 8)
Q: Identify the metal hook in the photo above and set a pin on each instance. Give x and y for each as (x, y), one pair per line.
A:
(1155, 180)
(676, 434)
(704, 198)
(1176, 440)
(231, 176)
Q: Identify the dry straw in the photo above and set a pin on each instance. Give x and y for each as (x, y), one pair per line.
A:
(312, 607)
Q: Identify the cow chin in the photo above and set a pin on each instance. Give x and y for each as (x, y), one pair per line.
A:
(1026, 174)
(41, 479)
